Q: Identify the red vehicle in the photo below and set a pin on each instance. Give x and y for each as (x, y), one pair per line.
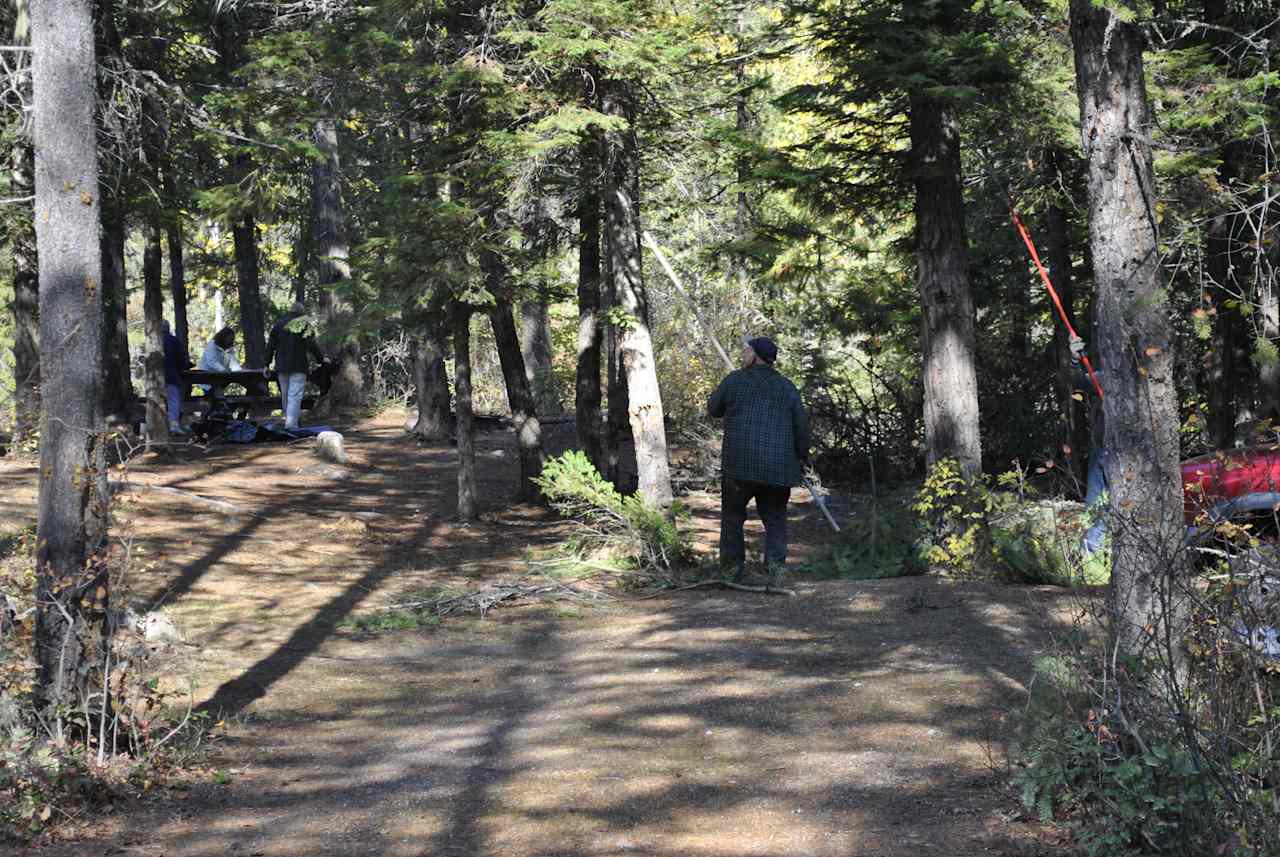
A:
(1232, 484)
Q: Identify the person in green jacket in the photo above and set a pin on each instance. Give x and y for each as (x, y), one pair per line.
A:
(766, 442)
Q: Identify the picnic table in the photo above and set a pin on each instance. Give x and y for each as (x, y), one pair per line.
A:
(251, 379)
(257, 397)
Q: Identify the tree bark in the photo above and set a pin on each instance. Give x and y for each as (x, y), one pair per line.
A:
(1071, 410)
(431, 383)
(461, 316)
(244, 234)
(535, 345)
(644, 399)
(1228, 373)
(117, 388)
(617, 424)
(26, 303)
(153, 313)
(333, 267)
(524, 417)
(942, 255)
(1132, 332)
(71, 539)
(587, 381)
(1227, 368)
(178, 283)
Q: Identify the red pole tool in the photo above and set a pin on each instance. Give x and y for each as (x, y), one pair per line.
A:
(1044, 275)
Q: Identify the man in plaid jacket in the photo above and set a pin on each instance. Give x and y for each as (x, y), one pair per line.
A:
(766, 441)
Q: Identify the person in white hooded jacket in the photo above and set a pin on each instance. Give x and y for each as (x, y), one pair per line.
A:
(219, 356)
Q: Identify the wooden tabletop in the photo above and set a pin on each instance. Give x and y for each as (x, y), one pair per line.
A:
(243, 376)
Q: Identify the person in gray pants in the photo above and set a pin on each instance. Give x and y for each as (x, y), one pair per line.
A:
(291, 343)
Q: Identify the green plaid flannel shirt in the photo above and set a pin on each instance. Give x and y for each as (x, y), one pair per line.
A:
(766, 431)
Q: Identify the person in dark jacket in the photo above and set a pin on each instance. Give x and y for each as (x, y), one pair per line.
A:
(766, 442)
(176, 361)
(290, 343)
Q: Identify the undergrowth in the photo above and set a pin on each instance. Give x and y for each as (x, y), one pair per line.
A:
(415, 610)
(880, 542)
(1174, 750)
(645, 541)
(131, 733)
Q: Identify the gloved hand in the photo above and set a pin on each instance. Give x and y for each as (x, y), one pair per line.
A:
(1077, 348)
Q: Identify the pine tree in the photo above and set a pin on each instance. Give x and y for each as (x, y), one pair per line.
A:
(1132, 329)
(903, 73)
(71, 538)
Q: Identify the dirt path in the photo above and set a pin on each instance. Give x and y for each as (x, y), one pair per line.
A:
(855, 719)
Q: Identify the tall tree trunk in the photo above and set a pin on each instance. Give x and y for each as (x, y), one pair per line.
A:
(1071, 410)
(117, 389)
(71, 539)
(587, 380)
(244, 234)
(535, 344)
(644, 399)
(333, 268)
(26, 303)
(430, 381)
(178, 283)
(950, 380)
(1226, 373)
(524, 417)
(153, 313)
(431, 343)
(617, 424)
(461, 316)
(1132, 332)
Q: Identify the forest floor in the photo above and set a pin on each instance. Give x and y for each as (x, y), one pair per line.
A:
(863, 718)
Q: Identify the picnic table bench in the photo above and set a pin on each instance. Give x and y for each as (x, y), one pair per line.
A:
(257, 398)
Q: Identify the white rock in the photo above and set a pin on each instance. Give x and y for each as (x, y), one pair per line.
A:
(329, 447)
(158, 628)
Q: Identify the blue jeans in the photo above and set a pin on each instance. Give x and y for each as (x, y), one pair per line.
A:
(771, 505)
(173, 403)
(1096, 501)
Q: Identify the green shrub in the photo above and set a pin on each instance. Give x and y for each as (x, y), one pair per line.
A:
(953, 507)
(1128, 789)
(877, 544)
(622, 526)
(1039, 541)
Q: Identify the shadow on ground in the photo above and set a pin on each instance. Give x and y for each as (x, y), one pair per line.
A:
(859, 718)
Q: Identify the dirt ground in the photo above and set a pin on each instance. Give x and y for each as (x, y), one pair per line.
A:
(858, 718)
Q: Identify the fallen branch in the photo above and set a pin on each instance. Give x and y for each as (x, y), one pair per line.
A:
(741, 587)
(483, 600)
(220, 506)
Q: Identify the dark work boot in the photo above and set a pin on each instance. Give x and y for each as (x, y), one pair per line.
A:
(777, 573)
